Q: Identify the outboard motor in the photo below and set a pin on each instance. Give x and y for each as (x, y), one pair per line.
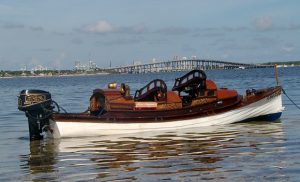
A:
(37, 105)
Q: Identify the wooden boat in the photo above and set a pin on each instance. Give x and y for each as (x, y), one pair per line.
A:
(194, 101)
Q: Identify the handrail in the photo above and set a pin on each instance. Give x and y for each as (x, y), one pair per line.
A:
(153, 86)
(194, 77)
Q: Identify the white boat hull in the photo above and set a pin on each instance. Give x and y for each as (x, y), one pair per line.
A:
(268, 107)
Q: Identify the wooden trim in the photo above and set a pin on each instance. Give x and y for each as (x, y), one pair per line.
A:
(146, 116)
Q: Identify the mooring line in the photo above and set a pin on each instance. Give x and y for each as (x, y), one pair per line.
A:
(290, 99)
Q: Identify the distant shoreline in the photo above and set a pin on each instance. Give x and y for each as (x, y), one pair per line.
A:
(51, 76)
(68, 73)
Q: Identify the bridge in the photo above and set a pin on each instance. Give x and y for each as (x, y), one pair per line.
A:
(183, 65)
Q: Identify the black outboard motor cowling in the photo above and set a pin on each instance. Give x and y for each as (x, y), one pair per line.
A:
(37, 105)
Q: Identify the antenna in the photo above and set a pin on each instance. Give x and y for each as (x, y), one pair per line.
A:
(276, 71)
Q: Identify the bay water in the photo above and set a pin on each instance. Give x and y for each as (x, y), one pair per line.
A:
(256, 151)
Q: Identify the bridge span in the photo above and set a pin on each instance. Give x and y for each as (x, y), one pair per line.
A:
(183, 65)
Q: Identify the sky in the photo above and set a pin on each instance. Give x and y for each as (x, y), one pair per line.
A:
(56, 33)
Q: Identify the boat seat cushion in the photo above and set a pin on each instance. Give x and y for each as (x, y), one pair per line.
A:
(210, 85)
(172, 97)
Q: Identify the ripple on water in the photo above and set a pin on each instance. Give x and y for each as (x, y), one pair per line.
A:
(225, 153)
(239, 152)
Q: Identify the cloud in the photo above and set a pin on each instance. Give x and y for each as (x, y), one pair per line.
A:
(135, 29)
(294, 27)
(173, 31)
(120, 41)
(140, 28)
(266, 41)
(263, 23)
(77, 41)
(36, 28)
(210, 34)
(5, 7)
(235, 46)
(288, 48)
(235, 29)
(99, 27)
(105, 27)
(46, 49)
(13, 26)
(158, 41)
(266, 24)
(58, 33)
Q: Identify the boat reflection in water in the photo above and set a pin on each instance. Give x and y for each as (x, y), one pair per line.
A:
(41, 161)
(231, 152)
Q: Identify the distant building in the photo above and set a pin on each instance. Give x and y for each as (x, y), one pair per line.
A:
(39, 68)
(79, 66)
(23, 68)
(85, 67)
(92, 65)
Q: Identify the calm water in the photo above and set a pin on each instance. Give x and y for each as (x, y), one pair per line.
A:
(258, 151)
